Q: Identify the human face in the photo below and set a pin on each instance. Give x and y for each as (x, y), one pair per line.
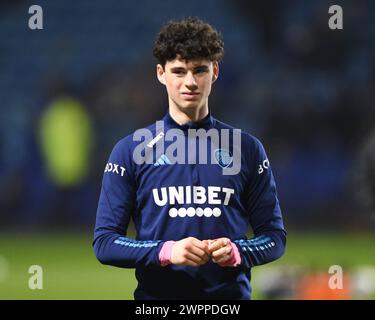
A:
(188, 83)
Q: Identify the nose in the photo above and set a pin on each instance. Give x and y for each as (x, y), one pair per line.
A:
(190, 81)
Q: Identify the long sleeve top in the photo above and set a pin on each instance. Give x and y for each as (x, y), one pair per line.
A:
(170, 199)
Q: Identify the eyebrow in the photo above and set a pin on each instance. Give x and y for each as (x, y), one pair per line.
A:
(202, 67)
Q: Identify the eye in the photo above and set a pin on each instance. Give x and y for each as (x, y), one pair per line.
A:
(178, 72)
(201, 70)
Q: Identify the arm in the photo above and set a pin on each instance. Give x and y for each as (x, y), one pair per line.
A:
(116, 204)
(260, 200)
(265, 215)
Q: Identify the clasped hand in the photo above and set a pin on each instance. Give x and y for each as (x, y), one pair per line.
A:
(193, 252)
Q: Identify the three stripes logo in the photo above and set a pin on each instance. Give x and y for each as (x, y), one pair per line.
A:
(163, 160)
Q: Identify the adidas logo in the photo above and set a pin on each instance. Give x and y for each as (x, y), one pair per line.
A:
(163, 160)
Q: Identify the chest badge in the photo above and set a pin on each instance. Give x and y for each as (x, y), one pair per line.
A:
(223, 157)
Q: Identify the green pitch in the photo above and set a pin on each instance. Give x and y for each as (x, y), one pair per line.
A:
(71, 271)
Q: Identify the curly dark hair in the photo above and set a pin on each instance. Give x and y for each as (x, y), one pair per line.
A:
(190, 38)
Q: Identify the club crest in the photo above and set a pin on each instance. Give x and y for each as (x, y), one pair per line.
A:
(223, 158)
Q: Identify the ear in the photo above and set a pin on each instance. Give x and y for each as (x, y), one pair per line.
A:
(160, 73)
(215, 74)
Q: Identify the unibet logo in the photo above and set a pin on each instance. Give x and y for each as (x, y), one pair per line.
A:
(113, 167)
(193, 195)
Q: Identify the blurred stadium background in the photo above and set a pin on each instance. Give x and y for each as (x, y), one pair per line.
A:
(69, 92)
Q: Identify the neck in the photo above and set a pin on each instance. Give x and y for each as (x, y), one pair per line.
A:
(190, 115)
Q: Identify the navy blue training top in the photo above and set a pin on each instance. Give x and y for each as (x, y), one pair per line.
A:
(172, 201)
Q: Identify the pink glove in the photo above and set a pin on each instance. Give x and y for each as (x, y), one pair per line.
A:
(166, 253)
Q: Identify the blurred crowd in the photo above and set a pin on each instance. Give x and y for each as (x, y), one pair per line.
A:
(69, 92)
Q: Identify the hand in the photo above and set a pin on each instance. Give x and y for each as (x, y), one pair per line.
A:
(220, 249)
(190, 252)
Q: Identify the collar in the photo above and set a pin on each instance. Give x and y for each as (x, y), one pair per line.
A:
(206, 123)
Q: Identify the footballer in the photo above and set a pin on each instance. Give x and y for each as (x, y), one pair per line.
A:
(191, 218)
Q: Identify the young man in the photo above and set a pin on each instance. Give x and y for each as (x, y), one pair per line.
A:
(191, 218)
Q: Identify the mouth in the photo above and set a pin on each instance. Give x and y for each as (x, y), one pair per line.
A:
(190, 95)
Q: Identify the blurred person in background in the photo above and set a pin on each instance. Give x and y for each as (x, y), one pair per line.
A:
(366, 177)
(363, 173)
(65, 138)
(198, 249)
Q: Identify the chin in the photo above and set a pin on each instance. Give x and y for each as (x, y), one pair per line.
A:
(189, 106)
